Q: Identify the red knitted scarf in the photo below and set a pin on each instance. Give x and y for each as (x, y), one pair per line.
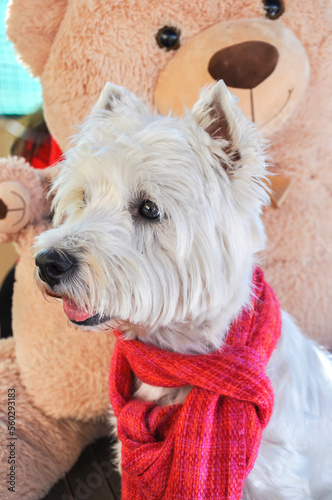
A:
(205, 448)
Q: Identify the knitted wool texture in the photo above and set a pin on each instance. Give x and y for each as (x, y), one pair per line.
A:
(206, 447)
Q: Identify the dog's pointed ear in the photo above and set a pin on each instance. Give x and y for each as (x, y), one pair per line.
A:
(236, 146)
(110, 96)
(216, 111)
(124, 106)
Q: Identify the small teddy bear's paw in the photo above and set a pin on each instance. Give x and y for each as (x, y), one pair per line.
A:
(21, 197)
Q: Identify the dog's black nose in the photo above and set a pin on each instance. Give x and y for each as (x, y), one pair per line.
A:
(54, 266)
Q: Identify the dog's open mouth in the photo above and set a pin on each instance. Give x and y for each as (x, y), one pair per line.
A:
(79, 316)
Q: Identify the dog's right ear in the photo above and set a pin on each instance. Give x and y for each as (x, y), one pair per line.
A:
(111, 96)
(117, 99)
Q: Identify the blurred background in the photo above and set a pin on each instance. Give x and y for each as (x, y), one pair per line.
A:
(20, 95)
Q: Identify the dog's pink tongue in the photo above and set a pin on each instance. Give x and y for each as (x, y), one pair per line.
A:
(73, 312)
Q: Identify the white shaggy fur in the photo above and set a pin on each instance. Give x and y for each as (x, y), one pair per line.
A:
(178, 282)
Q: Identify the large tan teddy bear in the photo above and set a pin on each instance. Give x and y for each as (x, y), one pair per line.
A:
(276, 57)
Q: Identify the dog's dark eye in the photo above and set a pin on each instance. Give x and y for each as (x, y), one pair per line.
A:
(168, 38)
(273, 8)
(84, 199)
(149, 210)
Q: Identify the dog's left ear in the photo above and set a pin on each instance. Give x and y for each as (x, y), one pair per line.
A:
(217, 113)
(235, 144)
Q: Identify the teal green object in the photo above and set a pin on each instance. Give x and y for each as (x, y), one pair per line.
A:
(20, 94)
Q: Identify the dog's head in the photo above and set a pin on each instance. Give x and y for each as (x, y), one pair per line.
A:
(157, 219)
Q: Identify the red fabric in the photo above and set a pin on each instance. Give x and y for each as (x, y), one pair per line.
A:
(205, 448)
(47, 154)
(56, 152)
(39, 160)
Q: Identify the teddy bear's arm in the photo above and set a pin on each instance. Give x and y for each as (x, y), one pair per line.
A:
(32, 27)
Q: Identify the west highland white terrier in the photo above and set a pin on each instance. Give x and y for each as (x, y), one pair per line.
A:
(157, 229)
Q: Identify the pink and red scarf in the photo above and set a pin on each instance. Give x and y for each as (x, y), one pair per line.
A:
(205, 448)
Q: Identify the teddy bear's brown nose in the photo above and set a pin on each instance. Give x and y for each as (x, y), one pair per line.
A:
(244, 65)
(3, 210)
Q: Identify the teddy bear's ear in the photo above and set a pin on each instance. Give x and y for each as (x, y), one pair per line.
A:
(32, 26)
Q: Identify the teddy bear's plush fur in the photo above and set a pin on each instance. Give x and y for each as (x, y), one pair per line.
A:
(45, 447)
(87, 43)
(75, 46)
(60, 395)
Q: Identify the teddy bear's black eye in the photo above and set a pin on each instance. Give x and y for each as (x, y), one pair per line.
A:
(168, 38)
(273, 8)
(149, 210)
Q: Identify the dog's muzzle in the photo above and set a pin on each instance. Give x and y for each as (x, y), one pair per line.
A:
(54, 266)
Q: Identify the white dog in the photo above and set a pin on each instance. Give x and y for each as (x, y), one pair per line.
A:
(157, 229)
